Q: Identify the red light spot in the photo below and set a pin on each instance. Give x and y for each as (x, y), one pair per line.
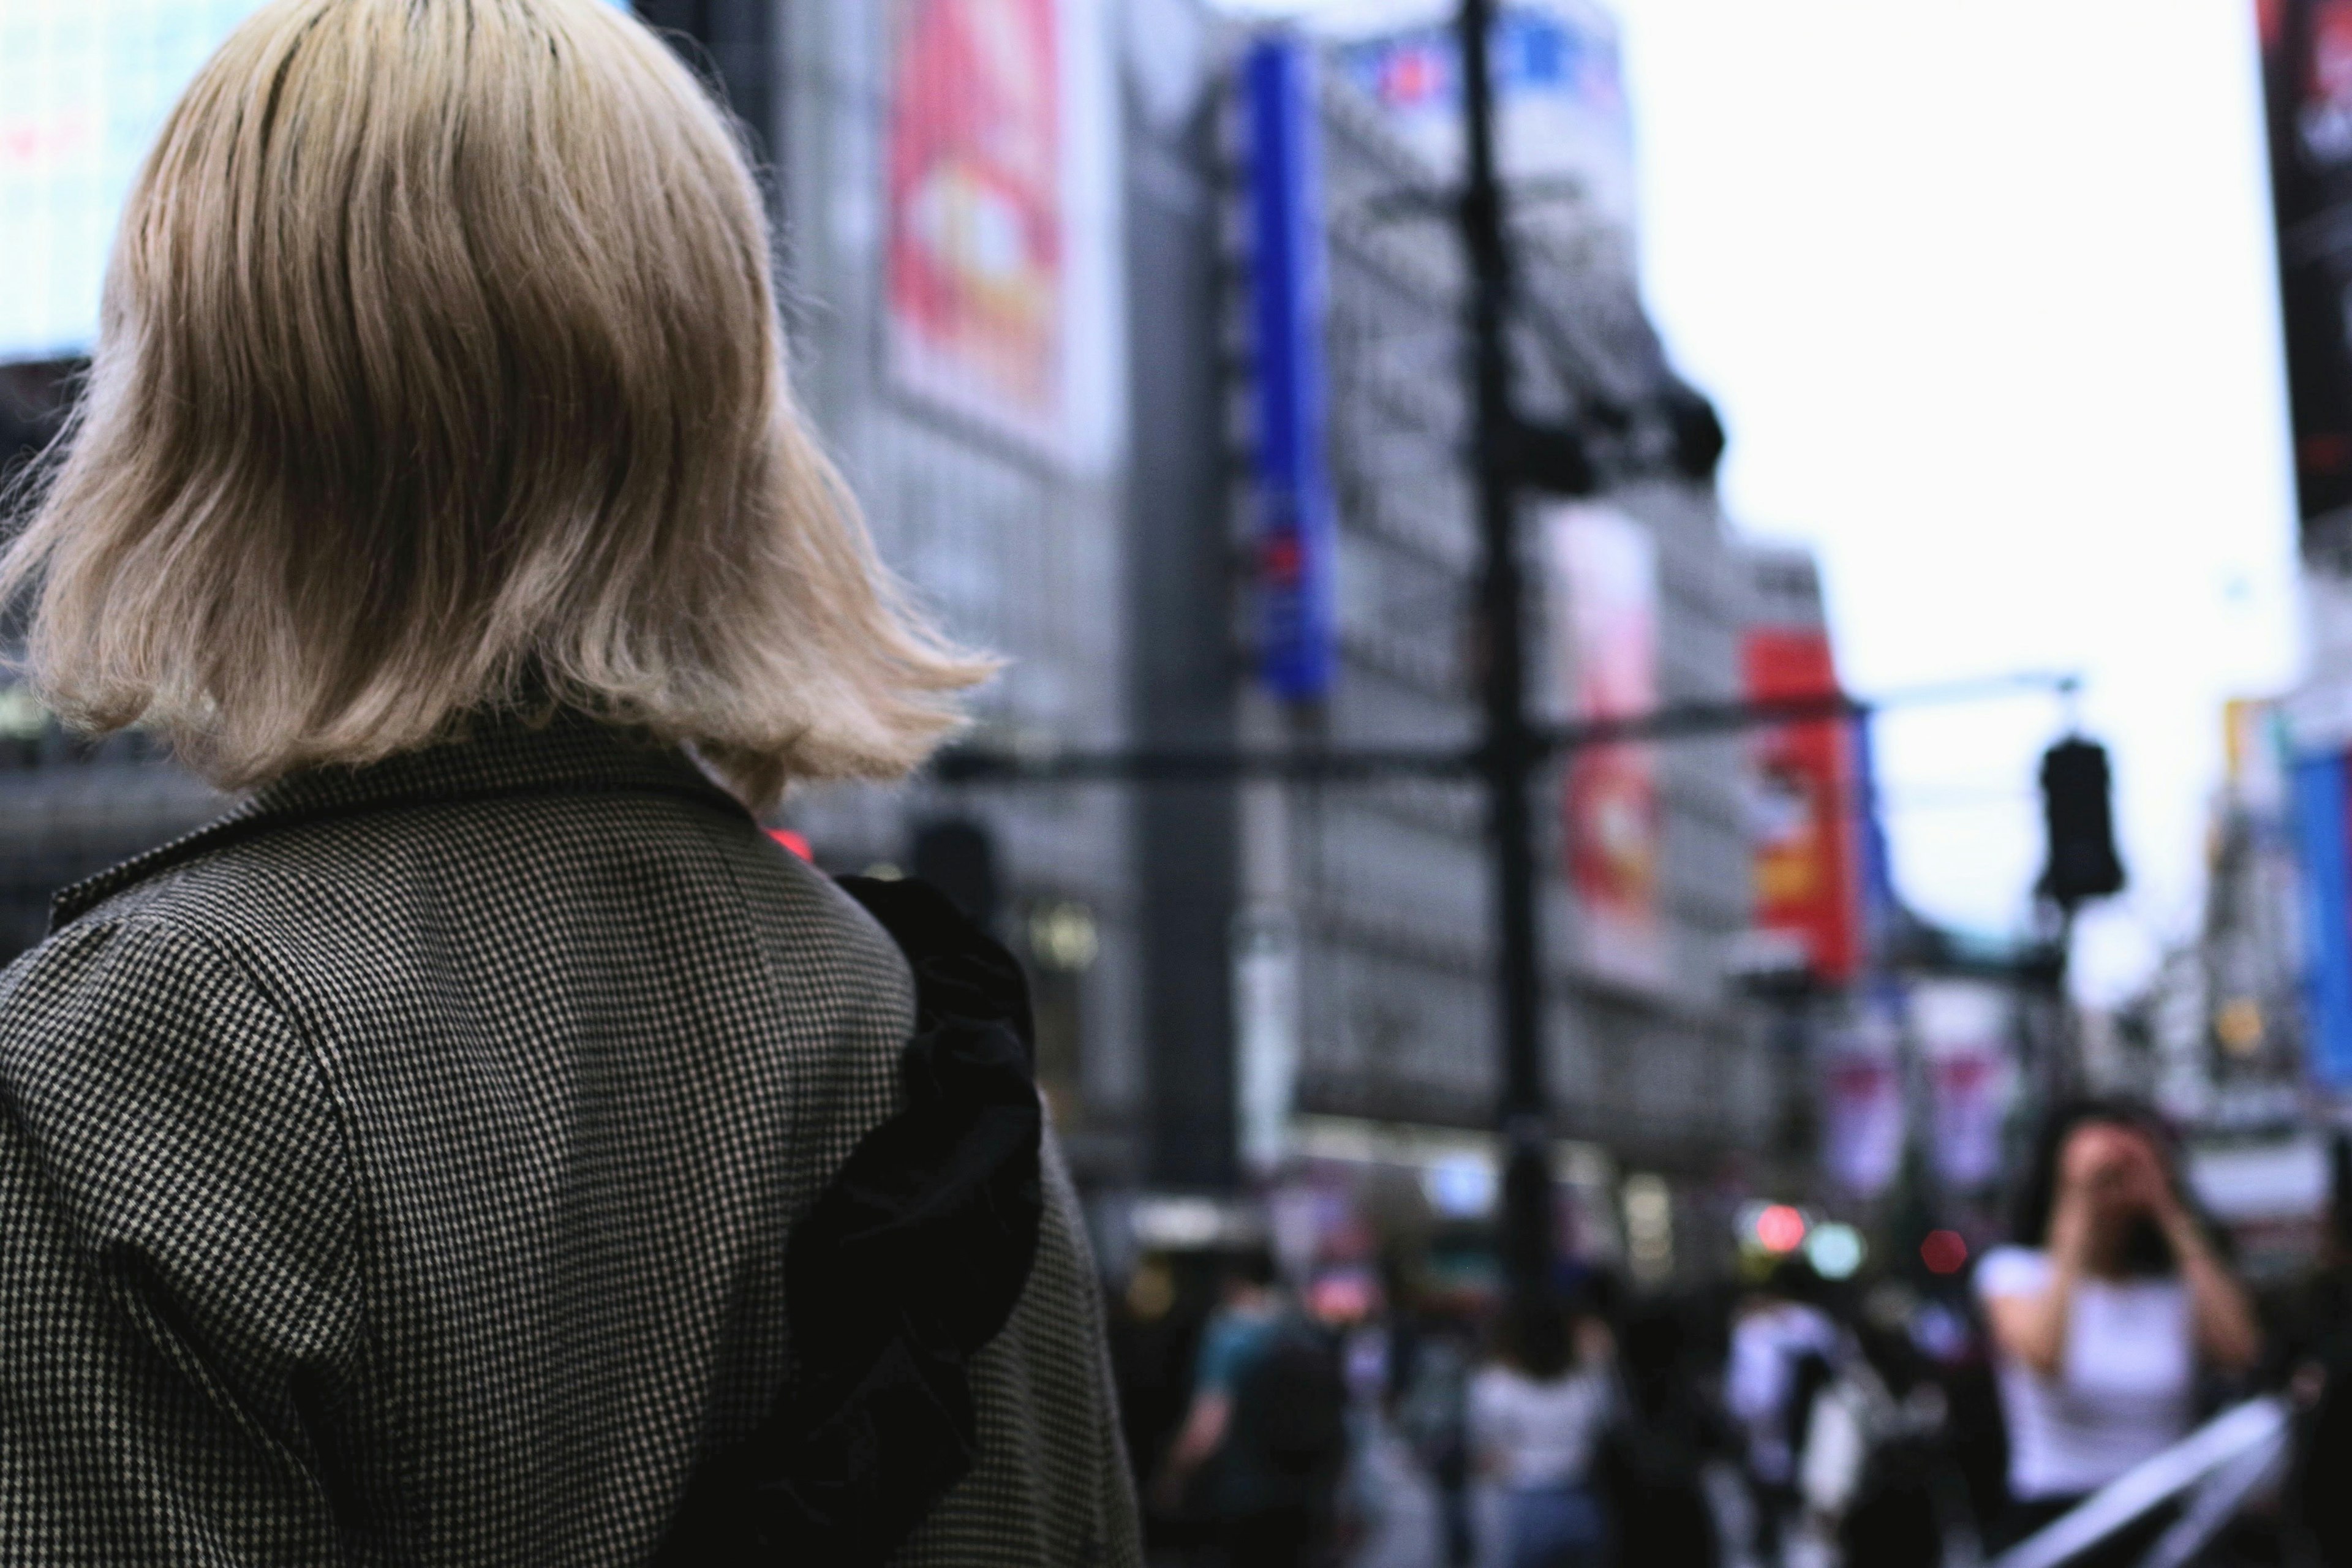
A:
(1780, 1229)
(1283, 560)
(792, 841)
(1943, 1252)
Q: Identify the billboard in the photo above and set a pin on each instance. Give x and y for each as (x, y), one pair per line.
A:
(2307, 48)
(1297, 527)
(1806, 809)
(1604, 579)
(1562, 123)
(1964, 1030)
(977, 265)
(84, 86)
(1863, 1123)
(2322, 810)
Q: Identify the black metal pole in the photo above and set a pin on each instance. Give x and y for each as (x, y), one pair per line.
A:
(1511, 752)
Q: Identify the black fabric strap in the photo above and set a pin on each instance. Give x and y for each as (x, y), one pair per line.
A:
(909, 1263)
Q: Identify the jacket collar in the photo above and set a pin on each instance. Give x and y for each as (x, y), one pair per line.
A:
(496, 757)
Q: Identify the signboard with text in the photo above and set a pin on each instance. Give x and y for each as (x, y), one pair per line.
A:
(1603, 577)
(1806, 809)
(1296, 517)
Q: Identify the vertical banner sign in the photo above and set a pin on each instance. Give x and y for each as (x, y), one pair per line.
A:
(978, 240)
(2325, 842)
(1266, 1035)
(2307, 79)
(1806, 865)
(1296, 527)
(1964, 1034)
(1604, 579)
(1861, 1113)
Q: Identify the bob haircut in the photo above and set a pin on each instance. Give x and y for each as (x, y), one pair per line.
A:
(439, 373)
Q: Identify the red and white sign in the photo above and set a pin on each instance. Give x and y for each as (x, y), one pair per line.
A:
(1604, 583)
(976, 281)
(1807, 863)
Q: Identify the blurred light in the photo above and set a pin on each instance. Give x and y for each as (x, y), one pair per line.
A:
(1344, 1296)
(1062, 935)
(883, 871)
(2239, 1026)
(1835, 1251)
(1780, 1228)
(1650, 1227)
(1187, 1224)
(22, 717)
(795, 842)
(1151, 1292)
(1460, 1186)
(1943, 1252)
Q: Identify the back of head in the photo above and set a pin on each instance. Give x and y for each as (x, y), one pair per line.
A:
(440, 371)
(1534, 1337)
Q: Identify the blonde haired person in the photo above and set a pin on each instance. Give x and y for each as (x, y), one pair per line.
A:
(485, 1145)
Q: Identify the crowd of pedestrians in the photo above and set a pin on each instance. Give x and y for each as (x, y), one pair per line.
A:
(1787, 1422)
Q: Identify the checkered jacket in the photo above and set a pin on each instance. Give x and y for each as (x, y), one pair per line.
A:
(399, 1170)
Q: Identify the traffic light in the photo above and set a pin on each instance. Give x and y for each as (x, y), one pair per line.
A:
(2075, 789)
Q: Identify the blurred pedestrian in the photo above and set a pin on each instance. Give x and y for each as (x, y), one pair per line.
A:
(2315, 1364)
(1538, 1413)
(1432, 1366)
(422, 1164)
(1784, 1351)
(1266, 1435)
(2101, 1310)
(1655, 1456)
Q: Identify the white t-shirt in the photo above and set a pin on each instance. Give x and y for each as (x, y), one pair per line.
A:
(1541, 1433)
(2124, 1384)
(1767, 1343)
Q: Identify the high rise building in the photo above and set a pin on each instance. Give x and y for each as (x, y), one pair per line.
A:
(1022, 282)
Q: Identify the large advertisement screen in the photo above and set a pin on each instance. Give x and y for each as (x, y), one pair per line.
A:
(2307, 79)
(978, 243)
(84, 86)
(1604, 591)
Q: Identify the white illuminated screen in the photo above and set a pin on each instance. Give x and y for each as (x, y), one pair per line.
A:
(84, 86)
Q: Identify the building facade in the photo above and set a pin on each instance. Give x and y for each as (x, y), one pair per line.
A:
(1014, 267)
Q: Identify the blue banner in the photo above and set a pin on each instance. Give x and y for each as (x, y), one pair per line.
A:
(1297, 528)
(2326, 857)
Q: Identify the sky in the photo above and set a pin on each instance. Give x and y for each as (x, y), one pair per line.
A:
(1984, 292)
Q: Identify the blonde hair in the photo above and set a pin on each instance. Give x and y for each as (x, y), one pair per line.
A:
(439, 370)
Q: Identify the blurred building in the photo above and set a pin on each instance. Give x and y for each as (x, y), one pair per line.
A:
(1330, 941)
(2307, 48)
(1021, 275)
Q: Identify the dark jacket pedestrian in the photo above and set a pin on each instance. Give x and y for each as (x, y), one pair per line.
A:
(486, 1146)
(1654, 1462)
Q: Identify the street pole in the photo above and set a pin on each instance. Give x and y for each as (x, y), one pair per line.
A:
(1511, 752)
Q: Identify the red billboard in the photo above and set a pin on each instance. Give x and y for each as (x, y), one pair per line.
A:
(977, 279)
(1807, 865)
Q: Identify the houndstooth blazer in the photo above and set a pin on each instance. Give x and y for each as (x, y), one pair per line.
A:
(398, 1170)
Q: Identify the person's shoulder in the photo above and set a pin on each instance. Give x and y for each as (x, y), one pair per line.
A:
(135, 963)
(2012, 1270)
(153, 1074)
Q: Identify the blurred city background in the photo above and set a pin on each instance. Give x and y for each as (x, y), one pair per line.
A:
(1923, 458)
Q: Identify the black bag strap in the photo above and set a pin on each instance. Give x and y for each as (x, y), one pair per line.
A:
(908, 1262)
